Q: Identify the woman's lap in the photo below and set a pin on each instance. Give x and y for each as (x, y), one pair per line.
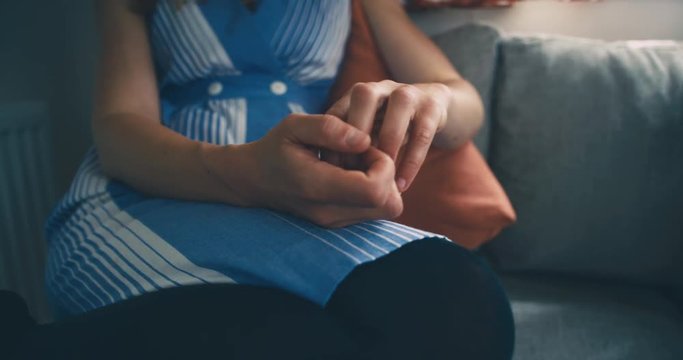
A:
(121, 244)
(428, 300)
(227, 321)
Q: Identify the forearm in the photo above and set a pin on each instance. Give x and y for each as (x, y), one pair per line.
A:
(132, 144)
(157, 161)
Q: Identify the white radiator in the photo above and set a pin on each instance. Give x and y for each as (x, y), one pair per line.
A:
(26, 196)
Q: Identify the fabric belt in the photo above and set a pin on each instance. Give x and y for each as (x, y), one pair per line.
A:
(245, 86)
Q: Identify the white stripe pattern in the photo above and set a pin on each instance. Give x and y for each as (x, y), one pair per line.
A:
(220, 122)
(105, 242)
(309, 41)
(325, 241)
(191, 47)
(311, 37)
(295, 108)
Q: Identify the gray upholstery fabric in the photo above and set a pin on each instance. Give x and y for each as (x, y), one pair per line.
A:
(588, 143)
(559, 319)
(472, 50)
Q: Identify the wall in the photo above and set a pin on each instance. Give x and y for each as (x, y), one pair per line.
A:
(46, 58)
(47, 53)
(608, 20)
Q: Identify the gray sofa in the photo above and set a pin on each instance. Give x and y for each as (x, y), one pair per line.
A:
(587, 139)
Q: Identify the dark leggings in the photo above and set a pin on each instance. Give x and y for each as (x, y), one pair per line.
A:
(428, 300)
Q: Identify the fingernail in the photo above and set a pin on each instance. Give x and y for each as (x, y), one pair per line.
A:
(401, 184)
(354, 138)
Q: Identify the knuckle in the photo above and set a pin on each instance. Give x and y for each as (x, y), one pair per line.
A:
(364, 90)
(423, 136)
(376, 195)
(431, 114)
(430, 105)
(405, 95)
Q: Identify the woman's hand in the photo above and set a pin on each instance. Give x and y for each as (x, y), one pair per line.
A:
(402, 120)
(283, 172)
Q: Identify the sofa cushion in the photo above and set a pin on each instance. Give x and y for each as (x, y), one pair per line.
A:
(562, 319)
(588, 143)
(472, 50)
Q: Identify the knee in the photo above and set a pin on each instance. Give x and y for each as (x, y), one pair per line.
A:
(434, 299)
(472, 296)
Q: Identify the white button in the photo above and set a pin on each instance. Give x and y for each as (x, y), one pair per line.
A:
(215, 88)
(278, 88)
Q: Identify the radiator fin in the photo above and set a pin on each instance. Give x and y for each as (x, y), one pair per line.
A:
(26, 196)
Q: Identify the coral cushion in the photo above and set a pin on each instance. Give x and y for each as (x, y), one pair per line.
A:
(455, 193)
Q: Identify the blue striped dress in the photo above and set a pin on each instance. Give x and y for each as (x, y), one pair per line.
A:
(226, 76)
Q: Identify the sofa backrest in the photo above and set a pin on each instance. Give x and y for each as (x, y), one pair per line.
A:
(587, 139)
(472, 49)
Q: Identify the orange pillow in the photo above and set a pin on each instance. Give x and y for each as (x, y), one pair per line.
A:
(455, 193)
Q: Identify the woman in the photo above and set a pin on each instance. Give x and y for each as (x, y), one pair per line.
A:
(218, 162)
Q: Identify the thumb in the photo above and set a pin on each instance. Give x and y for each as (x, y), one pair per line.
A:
(327, 132)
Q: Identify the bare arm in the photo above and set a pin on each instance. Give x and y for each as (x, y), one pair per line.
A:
(132, 143)
(413, 58)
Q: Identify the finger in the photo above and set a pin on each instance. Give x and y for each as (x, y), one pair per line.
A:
(365, 100)
(341, 106)
(340, 110)
(420, 140)
(325, 131)
(324, 183)
(378, 166)
(390, 210)
(400, 110)
(388, 206)
(333, 216)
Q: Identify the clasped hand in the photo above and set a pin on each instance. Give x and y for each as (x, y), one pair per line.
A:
(374, 141)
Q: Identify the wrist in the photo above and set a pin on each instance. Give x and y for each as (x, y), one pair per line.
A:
(227, 167)
(462, 117)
